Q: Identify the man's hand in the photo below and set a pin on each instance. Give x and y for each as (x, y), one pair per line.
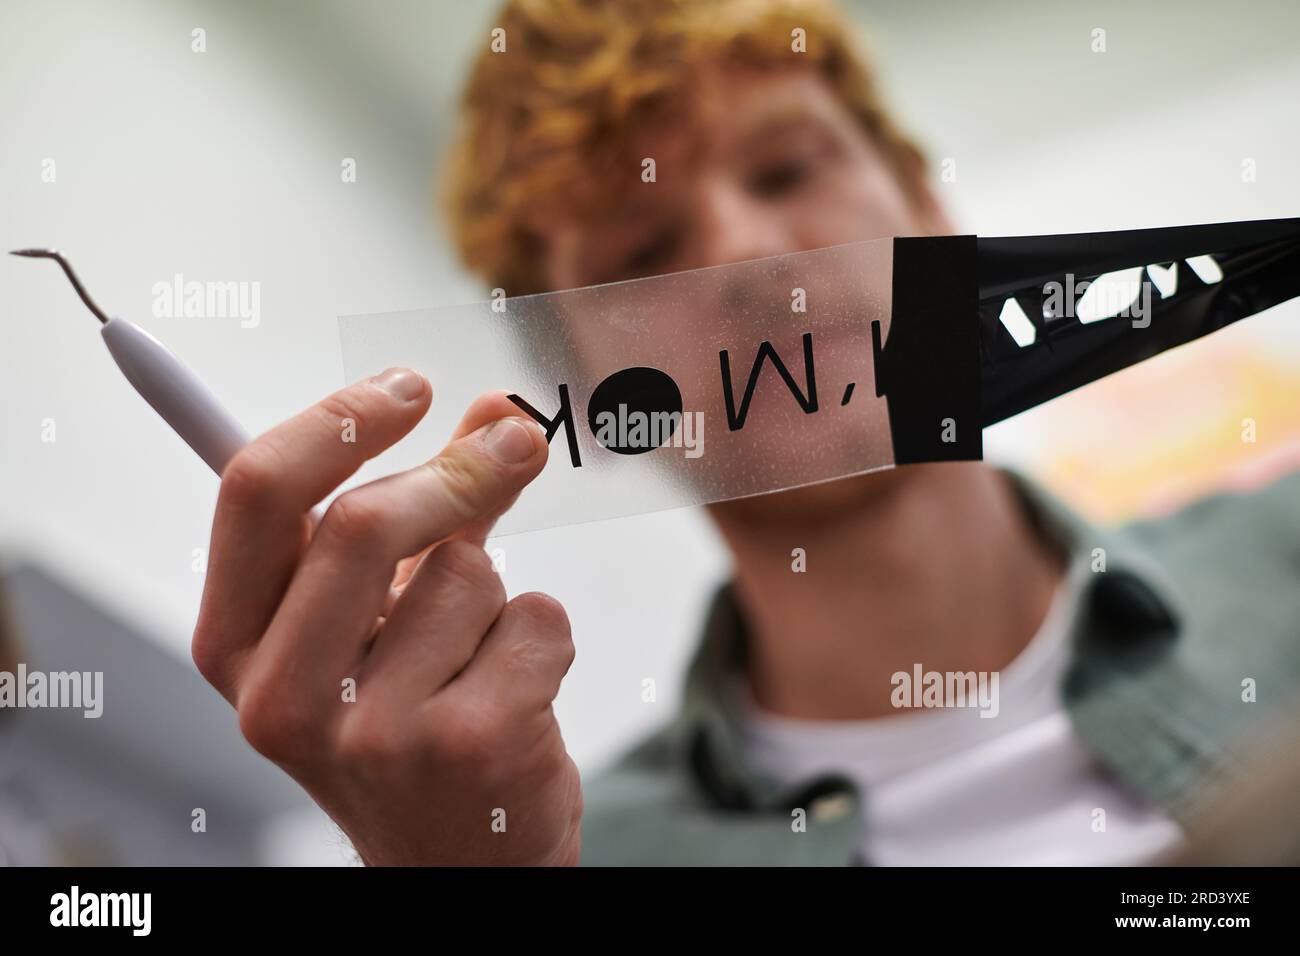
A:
(447, 751)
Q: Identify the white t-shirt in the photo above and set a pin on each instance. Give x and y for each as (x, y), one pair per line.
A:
(948, 787)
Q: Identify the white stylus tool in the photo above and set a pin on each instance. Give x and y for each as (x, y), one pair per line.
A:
(173, 390)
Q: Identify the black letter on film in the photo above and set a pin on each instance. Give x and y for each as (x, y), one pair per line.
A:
(563, 417)
(808, 404)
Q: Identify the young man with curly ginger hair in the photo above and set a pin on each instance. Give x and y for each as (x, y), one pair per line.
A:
(1119, 691)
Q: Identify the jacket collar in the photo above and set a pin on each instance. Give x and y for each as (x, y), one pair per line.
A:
(1128, 608)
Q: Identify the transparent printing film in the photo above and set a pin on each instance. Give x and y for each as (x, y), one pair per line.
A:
(662, 392)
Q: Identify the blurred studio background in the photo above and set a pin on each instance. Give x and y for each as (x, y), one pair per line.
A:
(225, 165)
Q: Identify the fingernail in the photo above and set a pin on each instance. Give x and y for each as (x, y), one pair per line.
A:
(401, 383)
(511, 440)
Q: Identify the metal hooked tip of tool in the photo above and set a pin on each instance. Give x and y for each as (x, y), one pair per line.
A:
(72, 277)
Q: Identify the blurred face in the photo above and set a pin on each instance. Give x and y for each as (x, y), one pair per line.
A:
(767, 163)
(763, 163)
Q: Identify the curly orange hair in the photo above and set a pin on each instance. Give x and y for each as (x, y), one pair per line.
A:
(544, 120)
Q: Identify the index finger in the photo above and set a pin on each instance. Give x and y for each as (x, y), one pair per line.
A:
(326, 621)
(260, 530)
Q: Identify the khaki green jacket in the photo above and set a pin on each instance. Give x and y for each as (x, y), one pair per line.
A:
(1188, 608)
